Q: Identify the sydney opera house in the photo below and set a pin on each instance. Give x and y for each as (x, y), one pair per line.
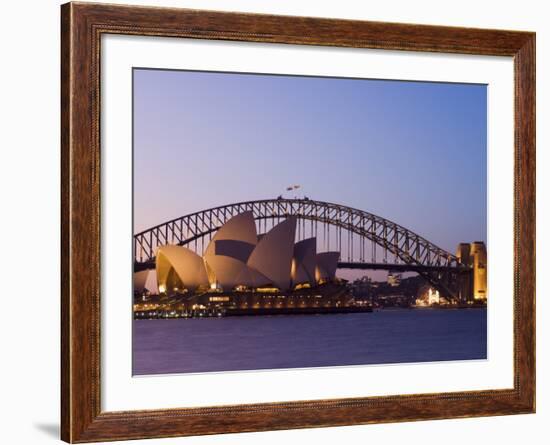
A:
(241, 270)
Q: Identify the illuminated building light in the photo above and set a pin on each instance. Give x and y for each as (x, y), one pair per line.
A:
(222, 298)
(433, 296)
(267, 289)
(302, 286)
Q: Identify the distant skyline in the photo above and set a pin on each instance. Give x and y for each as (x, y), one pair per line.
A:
(412, 152)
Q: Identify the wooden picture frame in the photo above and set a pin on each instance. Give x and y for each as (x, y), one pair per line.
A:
(82, 26)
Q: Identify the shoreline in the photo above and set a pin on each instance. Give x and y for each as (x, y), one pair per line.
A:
(235, 312)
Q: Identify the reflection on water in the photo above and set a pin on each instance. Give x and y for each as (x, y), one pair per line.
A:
(298, 341)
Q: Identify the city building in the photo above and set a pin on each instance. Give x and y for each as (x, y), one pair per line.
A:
(429, 296)
(241, 269)
(473, 287)
(238, 259)
(478, 254)
(394, 279)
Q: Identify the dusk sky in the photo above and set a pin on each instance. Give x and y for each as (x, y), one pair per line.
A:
(412, 152)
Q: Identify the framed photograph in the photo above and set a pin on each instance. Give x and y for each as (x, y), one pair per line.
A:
(275, 222)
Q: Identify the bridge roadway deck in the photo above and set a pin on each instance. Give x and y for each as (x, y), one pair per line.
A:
(400, 267)
(358, 266)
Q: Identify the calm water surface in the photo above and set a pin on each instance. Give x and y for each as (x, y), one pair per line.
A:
(297, 341)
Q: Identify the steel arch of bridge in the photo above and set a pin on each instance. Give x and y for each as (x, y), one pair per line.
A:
(406, 247)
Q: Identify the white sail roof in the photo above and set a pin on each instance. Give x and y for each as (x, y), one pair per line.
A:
(188, 266)
(327, 263)
(303, 262)
(272, 257)
(239, 230)
(223, 271)
(140, 280)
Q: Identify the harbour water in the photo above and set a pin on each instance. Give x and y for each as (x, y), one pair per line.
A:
(303, 341)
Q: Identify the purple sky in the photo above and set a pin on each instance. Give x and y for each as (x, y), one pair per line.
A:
(412, 152)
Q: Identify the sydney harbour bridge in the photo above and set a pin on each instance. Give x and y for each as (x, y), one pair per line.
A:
(365, 241)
